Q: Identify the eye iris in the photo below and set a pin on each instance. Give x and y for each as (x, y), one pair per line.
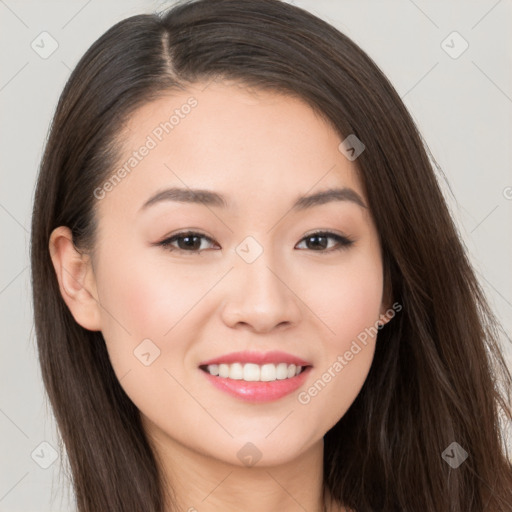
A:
(316, 237)
(187, 244)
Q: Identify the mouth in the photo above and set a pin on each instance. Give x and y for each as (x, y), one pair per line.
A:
(251, 372)
(255, 383)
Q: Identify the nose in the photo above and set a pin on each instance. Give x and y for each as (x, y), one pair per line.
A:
(260, 298)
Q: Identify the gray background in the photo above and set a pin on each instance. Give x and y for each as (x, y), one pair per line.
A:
(463, 107)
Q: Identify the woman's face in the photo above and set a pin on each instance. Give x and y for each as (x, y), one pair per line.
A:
(256, 278)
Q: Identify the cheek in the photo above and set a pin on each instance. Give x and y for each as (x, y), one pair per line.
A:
(144, 321)
(347, 298)
(348, 302)
(136, 306)
(148, 300)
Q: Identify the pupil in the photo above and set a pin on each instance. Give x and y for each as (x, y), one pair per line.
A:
(190, 245)
(318, 237)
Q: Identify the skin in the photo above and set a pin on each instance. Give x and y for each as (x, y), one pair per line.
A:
(261, 150)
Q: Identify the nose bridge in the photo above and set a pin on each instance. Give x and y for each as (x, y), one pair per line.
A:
(260, 297)
(256, 268)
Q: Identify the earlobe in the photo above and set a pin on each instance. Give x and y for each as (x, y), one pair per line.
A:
(76, 279)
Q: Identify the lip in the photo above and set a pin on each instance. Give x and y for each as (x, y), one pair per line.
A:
(247, 356)
(258, 391)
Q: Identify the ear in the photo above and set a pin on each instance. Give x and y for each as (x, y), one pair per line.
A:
(76, 279)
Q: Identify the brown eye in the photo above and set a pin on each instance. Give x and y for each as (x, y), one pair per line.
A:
(319, 241)
(190, 241)
(186, 242)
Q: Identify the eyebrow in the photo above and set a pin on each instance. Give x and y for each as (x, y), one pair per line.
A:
(209, 198)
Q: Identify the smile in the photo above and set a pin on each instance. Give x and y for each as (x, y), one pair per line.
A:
(256, 383)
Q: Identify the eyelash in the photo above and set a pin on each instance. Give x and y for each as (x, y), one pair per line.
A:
(343, 241)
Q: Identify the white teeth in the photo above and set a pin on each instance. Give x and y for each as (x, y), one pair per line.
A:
(268, 372)
(236, 371)
(251, 372)
(213, 369)
(282, 371)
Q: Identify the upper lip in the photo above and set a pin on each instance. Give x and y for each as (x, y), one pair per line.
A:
(259, 358)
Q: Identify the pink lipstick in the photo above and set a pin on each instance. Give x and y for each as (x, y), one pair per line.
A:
(257, 376)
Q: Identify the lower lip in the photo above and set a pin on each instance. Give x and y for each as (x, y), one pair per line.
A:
(258, 391)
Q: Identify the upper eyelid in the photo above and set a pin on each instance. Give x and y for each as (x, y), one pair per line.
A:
(171, 238)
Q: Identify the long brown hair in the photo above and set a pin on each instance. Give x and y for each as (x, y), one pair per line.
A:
(438, 375)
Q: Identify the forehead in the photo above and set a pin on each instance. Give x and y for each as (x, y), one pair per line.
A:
(244, 143)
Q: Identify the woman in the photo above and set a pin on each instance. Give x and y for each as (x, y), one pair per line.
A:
(248, 291)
